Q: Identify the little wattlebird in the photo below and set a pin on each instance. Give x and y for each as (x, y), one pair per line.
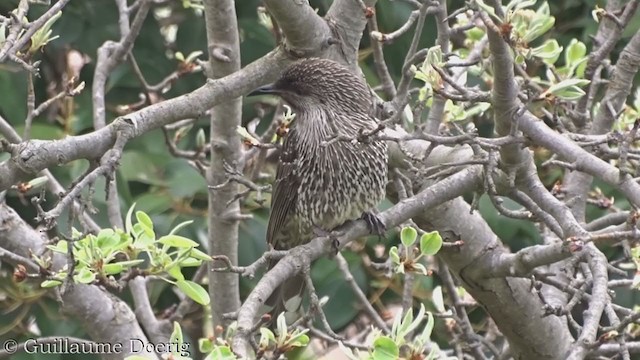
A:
(322, 183)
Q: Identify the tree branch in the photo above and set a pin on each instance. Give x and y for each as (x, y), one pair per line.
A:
(223, 44)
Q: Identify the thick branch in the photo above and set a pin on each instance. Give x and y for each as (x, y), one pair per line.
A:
(31, 157)
(224, 57)
(304, 30)
(541, 134)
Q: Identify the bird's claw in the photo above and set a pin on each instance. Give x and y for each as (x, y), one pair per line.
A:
(335, 245)
(333, 237)
(374, 224)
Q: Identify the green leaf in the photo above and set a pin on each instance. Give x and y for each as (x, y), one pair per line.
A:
(408, 114)
(266, 337)
(128, 227)
(200, 255)
(408, 236)
(549, 52)
(538, 26)
(438, 299)
(576, 51)
(175, 272)
(488, 9)
(393, 254)
(38, 182)
(178, 241)
(281, 328)
(112, 269)
(634, 284)
(60, 247)
(475, 34)
(190, 262)
(180, 226)
(426, 332)
(144, 231)
(107, 238)
(432, 353)
(43, 35)
(129, 263)
(543, 9)
(430, 243)
(570, 93)
(75, 233)
(385, 349)
(50, 283)
(176, 335)
(143, 239)
(201, 140)
(193, 55)
(136, 357)
(579, 67)
(205, 345)
(419, 268)
(567, 89)
(434, 56)
(407, 325)
(84, 276)
(144, 219)
(519, 4)
(299, 340)
(194, 291)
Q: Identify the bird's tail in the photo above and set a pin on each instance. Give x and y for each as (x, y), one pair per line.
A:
(287, 298)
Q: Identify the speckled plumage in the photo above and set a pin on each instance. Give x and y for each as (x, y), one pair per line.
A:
(322, 186)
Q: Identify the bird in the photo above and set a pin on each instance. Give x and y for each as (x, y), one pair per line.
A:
(321, 183)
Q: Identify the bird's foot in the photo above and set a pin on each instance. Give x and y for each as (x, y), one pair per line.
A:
(374, 224)
(332, 235)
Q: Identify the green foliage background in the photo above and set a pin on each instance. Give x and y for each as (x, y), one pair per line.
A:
(170, 190)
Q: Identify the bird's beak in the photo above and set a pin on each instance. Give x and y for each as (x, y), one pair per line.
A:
(266, 89)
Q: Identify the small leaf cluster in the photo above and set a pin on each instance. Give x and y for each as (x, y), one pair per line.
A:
(189, 63)
(178, 346)
(398, 344)
(220, 348)
(630, 114)
(635, 265)
(193, 4)
(43, 36)
(285, 341)
(39, 39)
(429, 244)
(520, 27)
(433, 81)
(113, 251)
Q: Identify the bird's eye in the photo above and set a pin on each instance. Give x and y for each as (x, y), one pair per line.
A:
(302, 89)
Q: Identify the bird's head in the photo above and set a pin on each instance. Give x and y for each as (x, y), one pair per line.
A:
(317, 82)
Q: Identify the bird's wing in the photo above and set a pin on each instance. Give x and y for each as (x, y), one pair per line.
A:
(285, 190)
